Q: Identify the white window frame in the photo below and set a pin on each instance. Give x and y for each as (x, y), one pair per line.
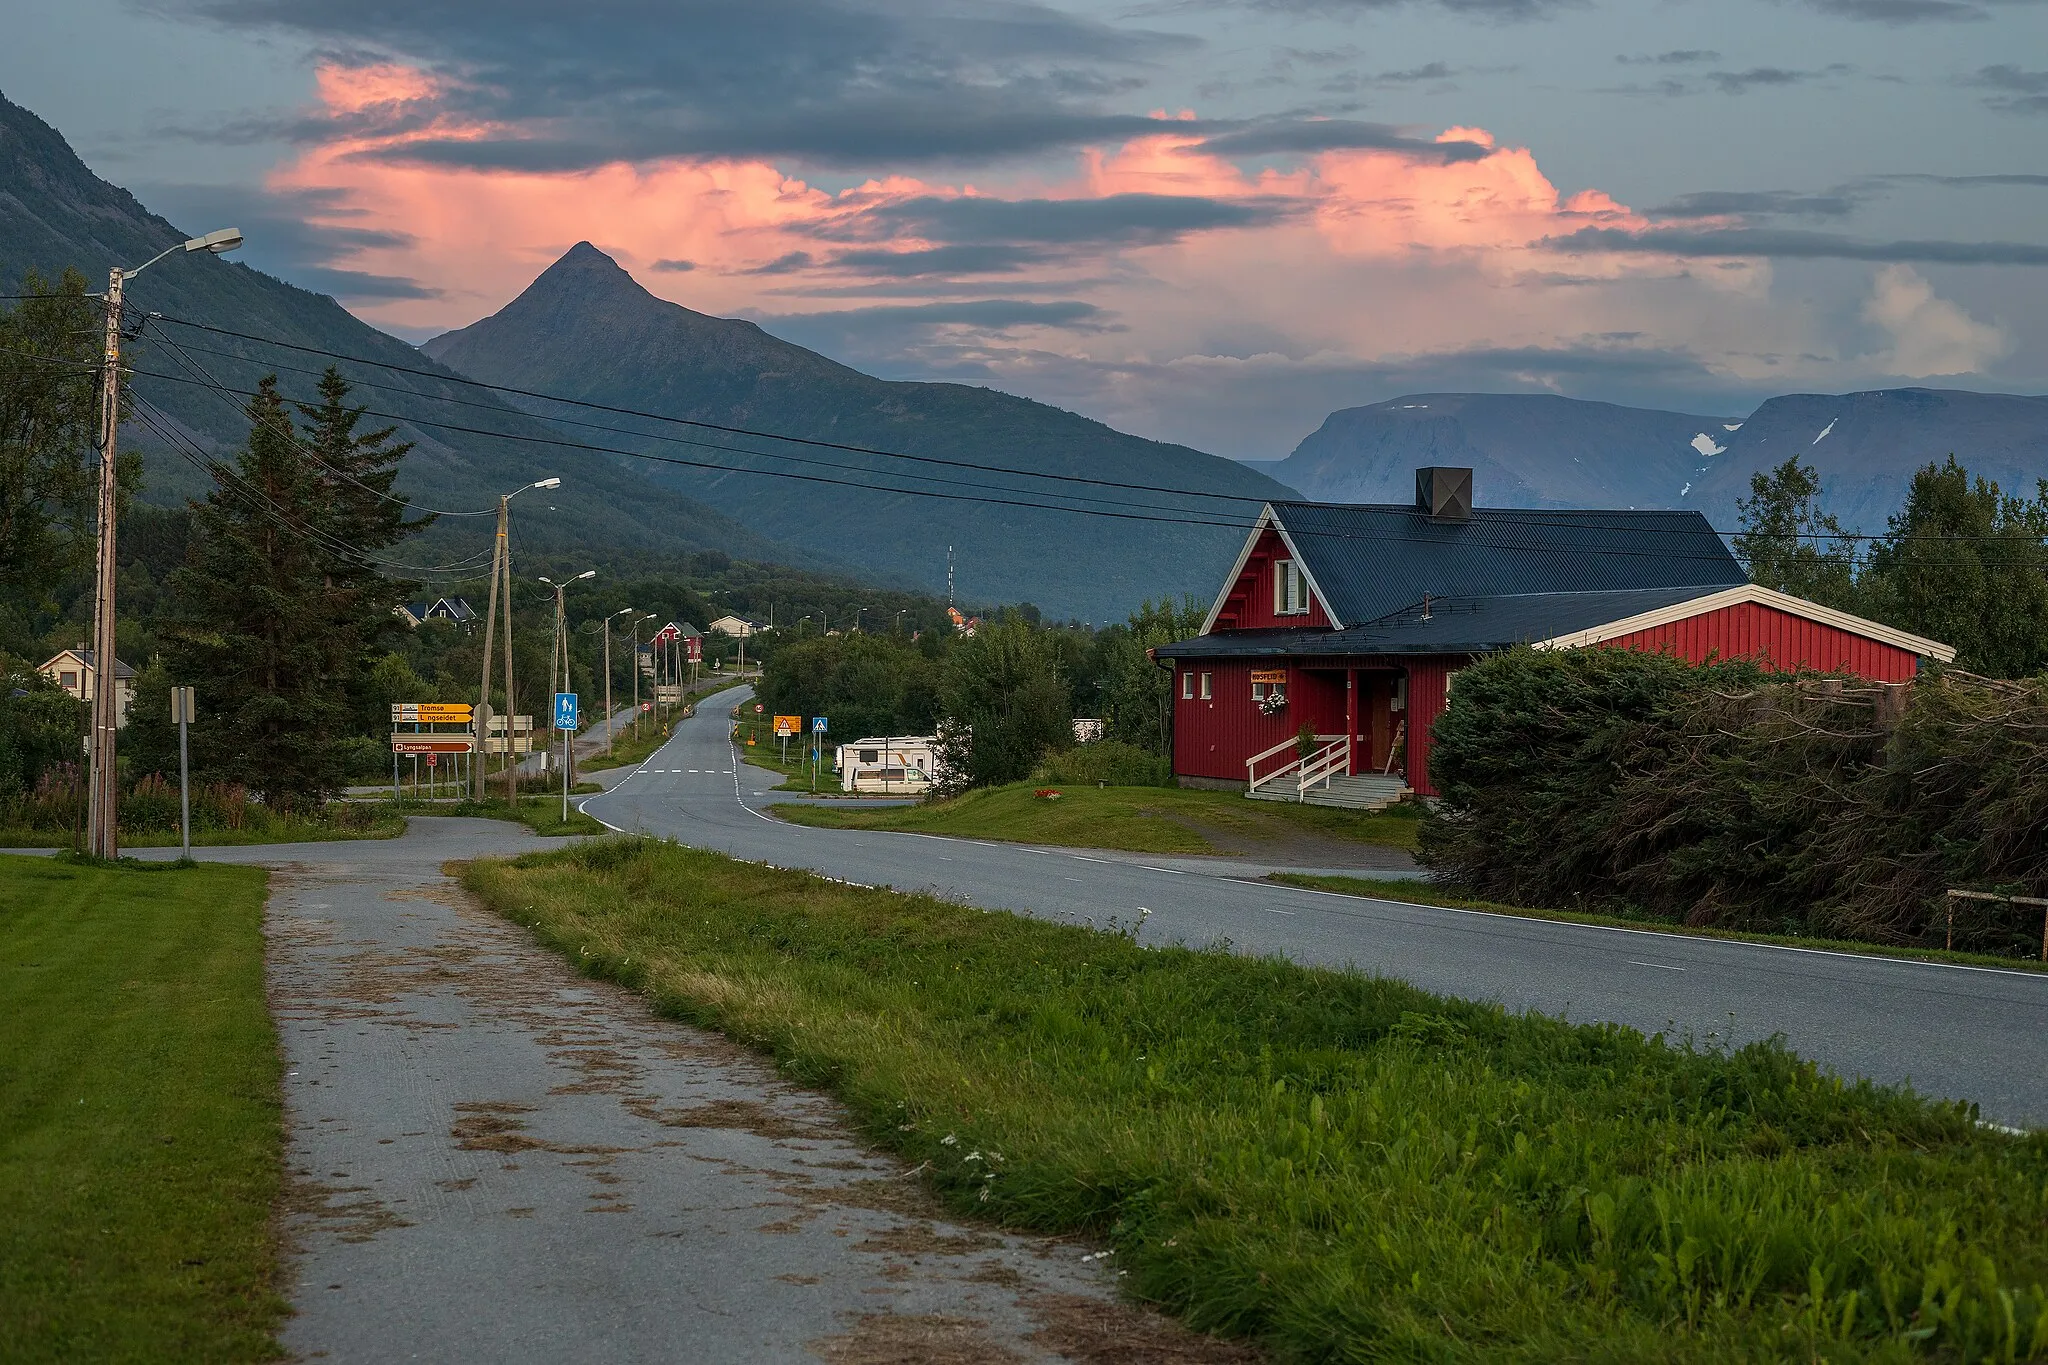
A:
(1258, 691)
(1290, 588)
(1205, 687)
(1187, 684)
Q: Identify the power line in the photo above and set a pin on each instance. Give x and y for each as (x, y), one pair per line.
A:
(234, 483)
(683, 440)
(207, 378)
(710, 426)
(1511, 515)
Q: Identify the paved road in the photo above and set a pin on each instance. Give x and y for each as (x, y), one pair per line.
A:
(1961, 1032)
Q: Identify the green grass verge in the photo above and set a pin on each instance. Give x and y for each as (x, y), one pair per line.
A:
(1134, 819)
(1344, 1167)
(541, 814)
(270, 832)
(1426, 893)
(141, 1129)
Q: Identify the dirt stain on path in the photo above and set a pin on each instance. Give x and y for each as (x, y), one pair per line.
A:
(494, 1158)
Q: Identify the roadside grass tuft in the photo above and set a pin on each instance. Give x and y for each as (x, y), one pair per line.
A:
(1133, 819)
(1343, 1167)
(141, 1129)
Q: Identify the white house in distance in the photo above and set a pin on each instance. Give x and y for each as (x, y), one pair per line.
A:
(739, 628)
(74, 671)
(416, 614)
(889, 764)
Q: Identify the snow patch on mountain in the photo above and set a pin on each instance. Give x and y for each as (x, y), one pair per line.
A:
(1825, 430)
(1704, 444)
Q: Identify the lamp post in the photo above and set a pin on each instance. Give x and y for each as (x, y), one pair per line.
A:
(501, 568)
(103, 788)
(558, 676)
(636, 669)
(610, 724)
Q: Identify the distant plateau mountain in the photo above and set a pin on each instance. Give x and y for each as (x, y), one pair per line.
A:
(1541, 450)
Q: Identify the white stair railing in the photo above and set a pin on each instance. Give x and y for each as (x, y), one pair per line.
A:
(1318, 768)
(1254, 779)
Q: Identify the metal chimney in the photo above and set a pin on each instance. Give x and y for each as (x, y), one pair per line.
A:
(1443, 493)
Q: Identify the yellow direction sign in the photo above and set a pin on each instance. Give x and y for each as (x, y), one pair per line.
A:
(788, 725)
(431, 712)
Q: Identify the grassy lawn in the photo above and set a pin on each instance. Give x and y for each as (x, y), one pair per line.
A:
(1425, 893)
(140, 1124)
(384, 826)
(1344, 1167)
(1135, 819)
(541, 814)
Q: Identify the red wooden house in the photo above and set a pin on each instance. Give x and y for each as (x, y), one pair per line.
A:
(1353, 619)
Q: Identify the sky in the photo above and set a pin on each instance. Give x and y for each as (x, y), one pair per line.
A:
(1208, 221)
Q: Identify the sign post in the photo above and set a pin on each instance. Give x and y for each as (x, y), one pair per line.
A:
(565, 721)
(181, 712)
(785, 726)
(817, 749)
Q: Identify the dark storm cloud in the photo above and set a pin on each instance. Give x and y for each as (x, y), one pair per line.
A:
(1685, 56)
(786, 264)
(1114, 220)
(1965, 181)
(1795, 244)
(2014, 91)
(1324, 135)
(282, 240)
(960, 259)
(830, 81)
(1503, 11)
(1732, 82)
(1775, 203)
(1902, 11)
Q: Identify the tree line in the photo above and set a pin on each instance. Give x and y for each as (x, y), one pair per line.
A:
(1002, 698)
(1963, 561)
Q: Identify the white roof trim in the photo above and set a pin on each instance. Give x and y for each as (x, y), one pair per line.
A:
(1267, 517)
(1763, 597)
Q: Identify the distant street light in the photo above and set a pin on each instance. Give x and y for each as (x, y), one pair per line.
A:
(638, 621)
(609, 725)
(501, 568)
(558, 677)
(103, 835)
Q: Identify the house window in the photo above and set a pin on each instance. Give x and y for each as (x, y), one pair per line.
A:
(1187, 684)
(1290, 589)
(69, 680)
(1205, 687)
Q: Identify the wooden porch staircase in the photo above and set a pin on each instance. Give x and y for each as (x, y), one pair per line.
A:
(1321, 778)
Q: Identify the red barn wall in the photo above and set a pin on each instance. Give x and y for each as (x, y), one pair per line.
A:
(1778, 639)
(1428, 695)
(1213, 738)
(1250, 605)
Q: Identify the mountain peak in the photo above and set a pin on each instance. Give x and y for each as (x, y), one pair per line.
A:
(584, 266)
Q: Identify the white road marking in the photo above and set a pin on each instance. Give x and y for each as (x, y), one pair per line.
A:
(1662, 967)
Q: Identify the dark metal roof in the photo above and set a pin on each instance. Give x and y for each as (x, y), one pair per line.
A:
(1449, 625)
(1371, 560)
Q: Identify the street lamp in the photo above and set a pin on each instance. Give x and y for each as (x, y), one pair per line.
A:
(103, 835)
(637, 621)
(609, 724)
(501, 568)
(558, 680)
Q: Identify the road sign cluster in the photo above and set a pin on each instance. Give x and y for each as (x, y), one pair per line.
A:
(431, 713)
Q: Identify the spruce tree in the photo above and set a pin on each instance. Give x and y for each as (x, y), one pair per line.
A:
(257, 616)
(354, 472)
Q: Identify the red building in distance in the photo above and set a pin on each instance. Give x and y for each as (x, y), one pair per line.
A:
(1355, 618)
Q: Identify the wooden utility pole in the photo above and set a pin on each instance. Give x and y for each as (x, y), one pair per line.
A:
(103, 839)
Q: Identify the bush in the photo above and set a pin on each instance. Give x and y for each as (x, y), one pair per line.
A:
(1727, 797)
(1106, 762)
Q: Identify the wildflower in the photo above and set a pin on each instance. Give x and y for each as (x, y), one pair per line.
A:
(948, 1140)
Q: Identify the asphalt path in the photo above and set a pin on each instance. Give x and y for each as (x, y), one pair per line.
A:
(1972, 1033)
